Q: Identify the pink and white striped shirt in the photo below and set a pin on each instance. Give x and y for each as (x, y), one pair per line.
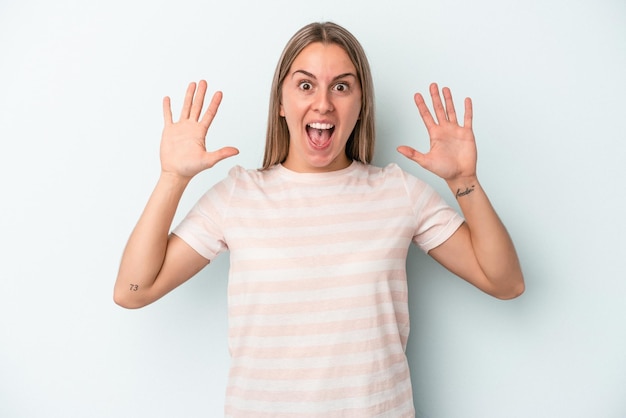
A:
(317, 293)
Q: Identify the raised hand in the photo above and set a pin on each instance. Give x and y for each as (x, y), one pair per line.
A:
(183, 143)
(452, 153)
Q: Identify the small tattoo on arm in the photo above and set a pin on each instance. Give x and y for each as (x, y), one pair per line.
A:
(134, 287)
(465, 192)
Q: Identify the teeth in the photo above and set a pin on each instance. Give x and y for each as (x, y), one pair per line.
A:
(321, 125)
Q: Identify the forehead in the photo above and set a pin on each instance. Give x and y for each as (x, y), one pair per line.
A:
(322, 59)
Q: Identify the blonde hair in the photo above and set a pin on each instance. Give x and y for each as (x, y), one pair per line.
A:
(360, 145)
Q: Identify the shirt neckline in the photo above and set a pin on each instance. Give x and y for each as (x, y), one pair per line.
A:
(316, 177)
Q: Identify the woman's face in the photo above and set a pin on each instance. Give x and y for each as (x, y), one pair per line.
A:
(321, 103)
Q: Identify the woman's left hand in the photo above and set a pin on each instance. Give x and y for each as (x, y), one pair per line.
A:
(452, 153)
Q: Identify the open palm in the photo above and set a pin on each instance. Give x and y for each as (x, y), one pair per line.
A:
(452, 151)
(183, 143)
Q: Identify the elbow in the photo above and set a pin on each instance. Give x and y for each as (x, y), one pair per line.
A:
(127, 302)
(516, 289)
(129, 295)
(511, 294)
(123, 302)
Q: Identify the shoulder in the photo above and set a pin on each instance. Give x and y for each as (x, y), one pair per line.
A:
(243, 178)
(253, 182)
(252, 174)
(389, 174)
(391, 170)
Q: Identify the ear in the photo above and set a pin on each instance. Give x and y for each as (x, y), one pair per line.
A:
(282, 111)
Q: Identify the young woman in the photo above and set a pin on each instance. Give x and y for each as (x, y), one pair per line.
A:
(318, 238)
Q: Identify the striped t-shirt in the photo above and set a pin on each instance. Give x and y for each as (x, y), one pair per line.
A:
(317, 292)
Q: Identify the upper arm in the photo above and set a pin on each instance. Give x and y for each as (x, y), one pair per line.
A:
(180, 264)
(457, 255)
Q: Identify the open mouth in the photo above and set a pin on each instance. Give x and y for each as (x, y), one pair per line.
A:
(320, 134)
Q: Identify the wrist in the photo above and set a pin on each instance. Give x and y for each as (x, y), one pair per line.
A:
(463, 186)
(174, 180)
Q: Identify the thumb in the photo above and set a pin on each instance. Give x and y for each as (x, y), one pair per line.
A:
(212, 158)
(413, 154)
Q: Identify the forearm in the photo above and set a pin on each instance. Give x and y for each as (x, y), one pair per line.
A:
(146, 248)
(490, 240)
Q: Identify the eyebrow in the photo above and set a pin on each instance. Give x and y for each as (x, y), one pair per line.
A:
(308, 74)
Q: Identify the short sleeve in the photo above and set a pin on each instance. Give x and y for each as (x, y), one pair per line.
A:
(203, 227)
(436, 221)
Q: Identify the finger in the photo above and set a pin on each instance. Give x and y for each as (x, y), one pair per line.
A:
(413, 154)
(469, 113)
(407, 151)
(184, 113)
(212, 158)
(447, 96)
(167, 111)
(211, 111)
(198, 101)
(427, 117)
(440, 111)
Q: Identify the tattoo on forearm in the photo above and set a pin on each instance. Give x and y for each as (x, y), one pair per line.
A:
(134, 287)
(465, 192)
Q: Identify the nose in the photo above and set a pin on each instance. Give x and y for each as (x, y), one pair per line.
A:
(323, 103)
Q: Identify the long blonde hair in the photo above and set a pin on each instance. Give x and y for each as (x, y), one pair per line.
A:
(360, 145)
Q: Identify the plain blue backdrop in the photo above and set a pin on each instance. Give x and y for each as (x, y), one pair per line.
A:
(81, 85)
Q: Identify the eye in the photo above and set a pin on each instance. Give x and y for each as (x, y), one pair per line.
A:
(305, 85)
(341, 87)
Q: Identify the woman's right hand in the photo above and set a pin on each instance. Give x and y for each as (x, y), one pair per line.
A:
(183, 143)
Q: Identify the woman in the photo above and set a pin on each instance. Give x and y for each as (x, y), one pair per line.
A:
(318, 238)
